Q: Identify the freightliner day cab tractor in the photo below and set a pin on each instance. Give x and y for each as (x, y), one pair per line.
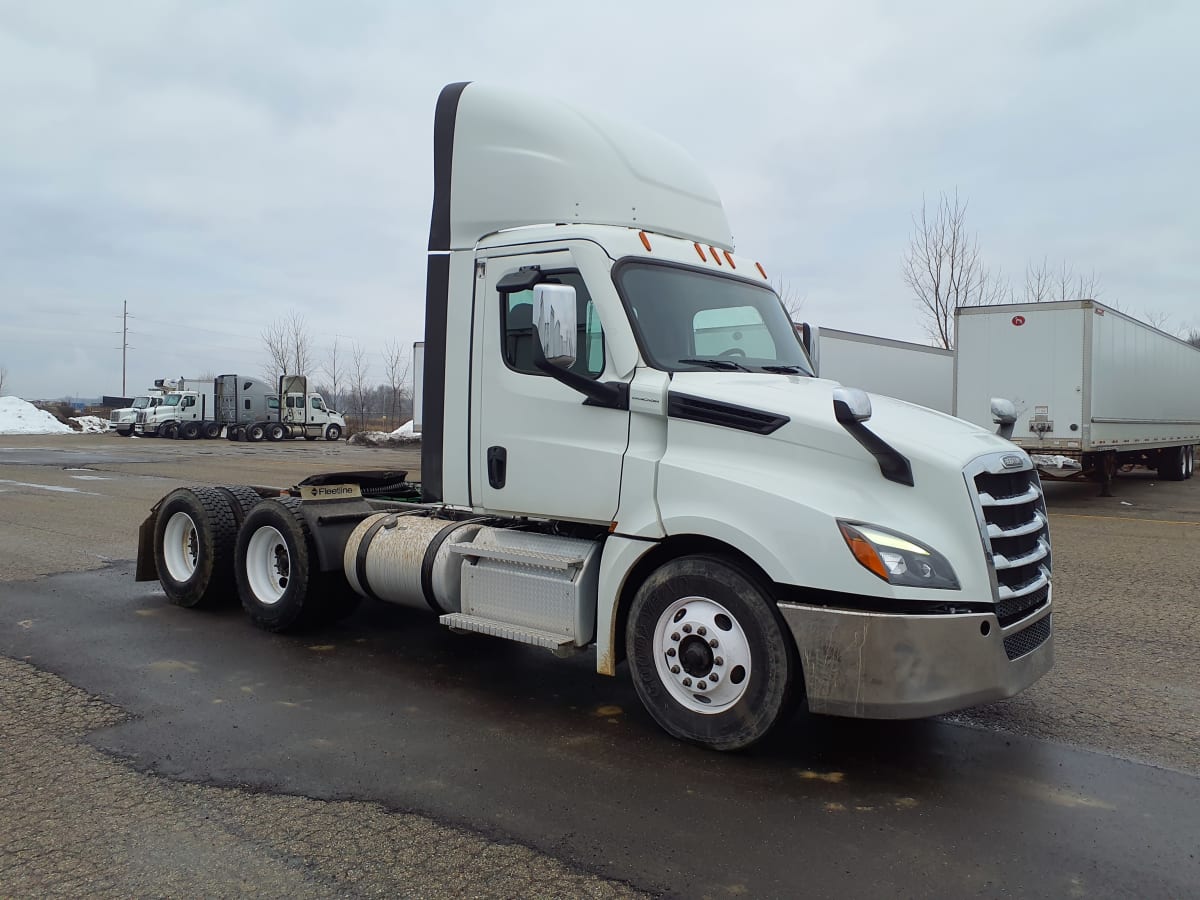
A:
(597, 472)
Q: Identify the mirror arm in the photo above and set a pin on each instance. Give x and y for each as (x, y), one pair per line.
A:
(610, 395)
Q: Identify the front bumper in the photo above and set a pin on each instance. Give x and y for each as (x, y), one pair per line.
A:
(883, 666)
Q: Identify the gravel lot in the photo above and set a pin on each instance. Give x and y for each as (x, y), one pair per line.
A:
(1126, 683)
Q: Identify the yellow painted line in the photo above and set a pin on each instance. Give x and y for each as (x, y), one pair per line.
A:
(1122, 519)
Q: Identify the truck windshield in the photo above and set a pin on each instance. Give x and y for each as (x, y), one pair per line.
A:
(141, 402)
(171, 400)
(689, 320)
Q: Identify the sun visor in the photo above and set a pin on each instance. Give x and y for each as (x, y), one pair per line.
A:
(504, 159)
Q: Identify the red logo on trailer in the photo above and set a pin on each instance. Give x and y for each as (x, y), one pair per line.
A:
(1018, 320)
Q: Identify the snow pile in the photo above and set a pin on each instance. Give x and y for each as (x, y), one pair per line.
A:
(401, 437)
(19, 417)
(90, 424)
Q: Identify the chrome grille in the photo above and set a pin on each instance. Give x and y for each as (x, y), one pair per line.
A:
(1015, 531)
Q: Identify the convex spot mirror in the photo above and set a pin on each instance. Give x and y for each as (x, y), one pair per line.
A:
(554, 319)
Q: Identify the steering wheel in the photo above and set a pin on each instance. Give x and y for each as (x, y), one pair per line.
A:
(733, 351)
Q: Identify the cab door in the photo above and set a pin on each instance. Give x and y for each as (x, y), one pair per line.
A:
(539, 451)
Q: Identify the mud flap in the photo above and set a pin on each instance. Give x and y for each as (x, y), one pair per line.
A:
(146, 569)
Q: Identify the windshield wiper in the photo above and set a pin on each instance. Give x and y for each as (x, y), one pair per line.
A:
(783, 369)
(727, 364)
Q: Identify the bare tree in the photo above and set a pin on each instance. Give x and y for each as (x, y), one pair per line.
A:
(3, 378)
(944, 270)
(1193, 338)
(289, 347)
(334, 372)
(360, 391)
(1044, 283)
(792, 300)
(1157, 319)
(1039, 282)
(395, 359)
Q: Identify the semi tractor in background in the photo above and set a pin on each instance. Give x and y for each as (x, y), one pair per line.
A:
(1094, 390)
(123, 419)
(241, 408)
(602, 472)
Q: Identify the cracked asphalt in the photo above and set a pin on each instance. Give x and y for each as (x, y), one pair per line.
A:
(389, 757)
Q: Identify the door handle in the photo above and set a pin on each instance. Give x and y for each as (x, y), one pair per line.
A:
(497, 466)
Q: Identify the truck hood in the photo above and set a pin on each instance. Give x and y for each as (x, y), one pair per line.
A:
(917, 432)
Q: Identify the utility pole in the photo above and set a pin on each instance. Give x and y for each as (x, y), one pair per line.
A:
(124, 340)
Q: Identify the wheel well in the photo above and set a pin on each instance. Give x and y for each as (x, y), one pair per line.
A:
(668, 549)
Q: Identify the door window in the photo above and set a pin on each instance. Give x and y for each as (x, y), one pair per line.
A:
(516, 324)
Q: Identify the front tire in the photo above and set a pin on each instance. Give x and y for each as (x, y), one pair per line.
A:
(277, 571)
(194, 536)
(726, 696)
(333, 433)
(170, 430)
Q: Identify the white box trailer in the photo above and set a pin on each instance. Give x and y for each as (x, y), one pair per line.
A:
(913, 372)
(1094, 389)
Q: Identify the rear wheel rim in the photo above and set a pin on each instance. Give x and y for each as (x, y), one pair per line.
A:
(702, 678)
(268, 565)
(181, 547)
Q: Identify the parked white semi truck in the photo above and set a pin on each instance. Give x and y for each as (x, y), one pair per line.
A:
(594, 477)
(1094, 390)
(914, 372)
(122, 420)
(241, 408)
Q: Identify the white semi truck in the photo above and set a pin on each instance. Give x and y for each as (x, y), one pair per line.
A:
(122, 420)
(1094, 390)
(241, 408)
(914, 372)
(593, 478)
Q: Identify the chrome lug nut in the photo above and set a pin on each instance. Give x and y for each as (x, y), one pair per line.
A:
(701, 685)
(713, 643)
(687, 682)
(674, 670)
(719, 661)
(671, 651)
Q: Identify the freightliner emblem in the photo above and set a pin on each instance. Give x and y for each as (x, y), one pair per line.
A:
(1011, 462)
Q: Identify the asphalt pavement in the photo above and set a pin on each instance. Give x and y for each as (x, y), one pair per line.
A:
(331, 762)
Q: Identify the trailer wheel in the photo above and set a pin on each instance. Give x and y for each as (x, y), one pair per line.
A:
(170, 430)
(255, 432)
(189, 431)
(1172, 464)
(333, 433)
(194, 538)
(709, 653)
(211, 430)
(276, 568)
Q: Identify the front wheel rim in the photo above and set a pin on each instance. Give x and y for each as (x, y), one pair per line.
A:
(268, 565)
(702, 655)
(181, 547)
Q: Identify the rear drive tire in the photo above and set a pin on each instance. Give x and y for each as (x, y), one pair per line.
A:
(678, 613)
(211, 430)
(255, 433)
(170, 430)
(1172, 464)
(194, 540)
(276, 566)
(276, 432)
(333, 433)
(189, 431)
(241, 499)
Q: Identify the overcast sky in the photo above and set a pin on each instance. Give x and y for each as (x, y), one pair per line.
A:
(220, 165)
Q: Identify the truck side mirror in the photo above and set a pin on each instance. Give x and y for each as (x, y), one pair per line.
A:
(554, 320)
(810, 337)
(1004, 414)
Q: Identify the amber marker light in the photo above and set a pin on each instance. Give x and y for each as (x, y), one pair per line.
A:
(761, 270)
(645, 241)
(700, 251)
(715, 255)
(729, 259)
(863, 551)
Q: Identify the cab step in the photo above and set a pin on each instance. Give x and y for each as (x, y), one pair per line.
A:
(555, 643)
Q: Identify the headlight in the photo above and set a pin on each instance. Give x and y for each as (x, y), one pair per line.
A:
(898, 559)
